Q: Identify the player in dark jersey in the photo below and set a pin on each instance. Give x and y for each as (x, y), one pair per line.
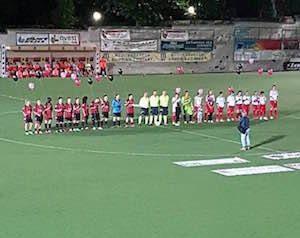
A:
(130, 111)
(85, 113)
(68, 115)
(95, 113)
(59, 110)
(48, 114)
(38, 112)
(76, 114)
(105, 106)
(27, 113)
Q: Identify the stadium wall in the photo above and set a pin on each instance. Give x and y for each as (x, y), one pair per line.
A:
(149, 51)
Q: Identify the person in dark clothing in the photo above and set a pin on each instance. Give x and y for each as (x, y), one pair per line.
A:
(244, 128)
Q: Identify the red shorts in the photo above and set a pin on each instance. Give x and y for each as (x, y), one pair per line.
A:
(220, 109)
(195, 109)
(255, 108)
(246, 108)
(230, 109)
(239, 107)
(273, 104)
(262, 107)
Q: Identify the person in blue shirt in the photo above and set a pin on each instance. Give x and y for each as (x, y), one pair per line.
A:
(244, 128)
(117, 110)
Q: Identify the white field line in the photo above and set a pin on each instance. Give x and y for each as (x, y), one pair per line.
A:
(11, 112)
(12, 97)
(219, 138)
(58, 148)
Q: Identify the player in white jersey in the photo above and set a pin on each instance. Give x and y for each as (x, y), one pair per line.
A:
(273, 102)
(230, 106)
(209, 101)
(246, 103)
(144, 106)
(238, 105)
(220, 101)
(263, 107)
(176, 109)
(198, 106)
(255, 105)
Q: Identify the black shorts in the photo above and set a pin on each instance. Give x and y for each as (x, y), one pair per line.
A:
(154, 111)
(85, 118)
(77, 117)
(117, 114)
(144, 112)
(68, 119)
(39, 119)
(105, 114)
(96, 116)
(164, 111)
(28, 120)
(60, 119)
(130, 115)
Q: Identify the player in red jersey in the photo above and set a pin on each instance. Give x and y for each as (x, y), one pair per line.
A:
(95, 113)
(76, 114)
(68, 115)
(273, 102)
(105, 106)
(48, 114)
(255, 105)
(130, 111)
(85, 113)
(238, 105)
(246, 102)
(209, 99)
(27, 113)
(210, 112)
(59, 110)
(38, 112)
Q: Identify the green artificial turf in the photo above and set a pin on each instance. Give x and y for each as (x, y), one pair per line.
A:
(121, 182)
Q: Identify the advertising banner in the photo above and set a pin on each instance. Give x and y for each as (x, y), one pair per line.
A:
(257, 44)
(186, 57)
(134, 57)
(291, 66)
(32, 39)
(190, 45)
(174, 35)
(64, 39)
(115, 34)
(117, 45)
(245, 55)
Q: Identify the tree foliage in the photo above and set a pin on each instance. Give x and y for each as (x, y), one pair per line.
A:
(77, 13)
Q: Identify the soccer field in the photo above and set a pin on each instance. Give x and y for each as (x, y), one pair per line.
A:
(122, 182)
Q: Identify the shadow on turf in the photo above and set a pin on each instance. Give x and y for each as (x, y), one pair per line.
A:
(269, 140)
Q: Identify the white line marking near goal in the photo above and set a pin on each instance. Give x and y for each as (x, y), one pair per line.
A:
(267, 169)
(198, 163)
(12, 97)
(58, 148)
(218, 138)
(283, 156)
(293, 166)
(7, 113)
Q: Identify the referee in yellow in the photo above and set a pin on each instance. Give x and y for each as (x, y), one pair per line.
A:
(164, 103)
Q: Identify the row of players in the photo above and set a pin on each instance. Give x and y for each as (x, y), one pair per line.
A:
(153, 109)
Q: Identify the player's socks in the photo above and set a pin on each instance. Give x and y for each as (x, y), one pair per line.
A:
(82, 124)
(119, 123)
(132, 124)
(205, 116)
(94, 124)
(156, 120)
(160, 119)
(106, 123)
(146, 120)
(151, 120)
(70, 125)
(98, 124)
(102, 123)
(165, 120)
(114, 123)
(140, 120)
